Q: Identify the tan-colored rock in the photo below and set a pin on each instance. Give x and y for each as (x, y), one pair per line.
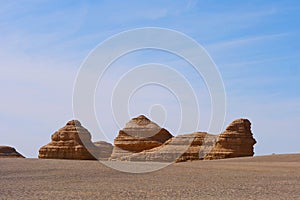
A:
(70, 142)
(201, 145)
(105, 148)
(139, 134)
(9, 152)
(236, 141)
(177, 149)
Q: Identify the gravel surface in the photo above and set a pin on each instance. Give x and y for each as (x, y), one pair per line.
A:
(263, 177)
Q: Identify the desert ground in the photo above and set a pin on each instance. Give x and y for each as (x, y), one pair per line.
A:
(261, 177)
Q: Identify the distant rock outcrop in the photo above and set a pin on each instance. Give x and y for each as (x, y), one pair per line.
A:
(9, 152)
(105, 148)
(139, 134)
(70, 142)
(236, 141)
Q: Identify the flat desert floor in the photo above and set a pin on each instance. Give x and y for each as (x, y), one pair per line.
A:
(262, 177)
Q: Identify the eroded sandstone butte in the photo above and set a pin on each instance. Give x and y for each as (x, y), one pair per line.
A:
(236, 141)
(9, 152)
(70, 142)
(139, 134)
(177, 149)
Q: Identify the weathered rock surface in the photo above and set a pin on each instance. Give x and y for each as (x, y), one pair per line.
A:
(139, 134)
(201, 145)
(236, 141)
(70, 142)
(9, 152)
(105, 148)
(177, 149)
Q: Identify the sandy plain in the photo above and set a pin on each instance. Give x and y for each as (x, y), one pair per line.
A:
(261, 177)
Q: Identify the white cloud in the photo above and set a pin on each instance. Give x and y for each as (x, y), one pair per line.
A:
(241, 42)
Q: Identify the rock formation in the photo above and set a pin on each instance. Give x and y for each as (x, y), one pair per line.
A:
(139, 134)
(201, 145)
(179, 149)
(236, 141)
(70, 142)
(105, 148)
(9, 152)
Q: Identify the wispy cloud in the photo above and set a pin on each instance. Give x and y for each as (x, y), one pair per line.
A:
(223, 46)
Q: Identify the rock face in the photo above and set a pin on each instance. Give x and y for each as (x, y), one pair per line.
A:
(70, 142)
(236, 141)
(200, 146)
(9, 152)
(139, 134)
(179, 149)
(105, 148)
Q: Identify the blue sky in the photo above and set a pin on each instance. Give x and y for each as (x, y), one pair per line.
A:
(255, 45)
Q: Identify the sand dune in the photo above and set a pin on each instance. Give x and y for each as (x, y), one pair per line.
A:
(263, 177)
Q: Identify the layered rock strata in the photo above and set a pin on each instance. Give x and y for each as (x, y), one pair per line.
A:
(139, 134)
(177, 149)
(236, 141)
(70, 142)
(9, 152)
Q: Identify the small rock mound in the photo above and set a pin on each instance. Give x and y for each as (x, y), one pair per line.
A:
(139, 134)
(105, 148)
(9, 152)
(70, 142)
